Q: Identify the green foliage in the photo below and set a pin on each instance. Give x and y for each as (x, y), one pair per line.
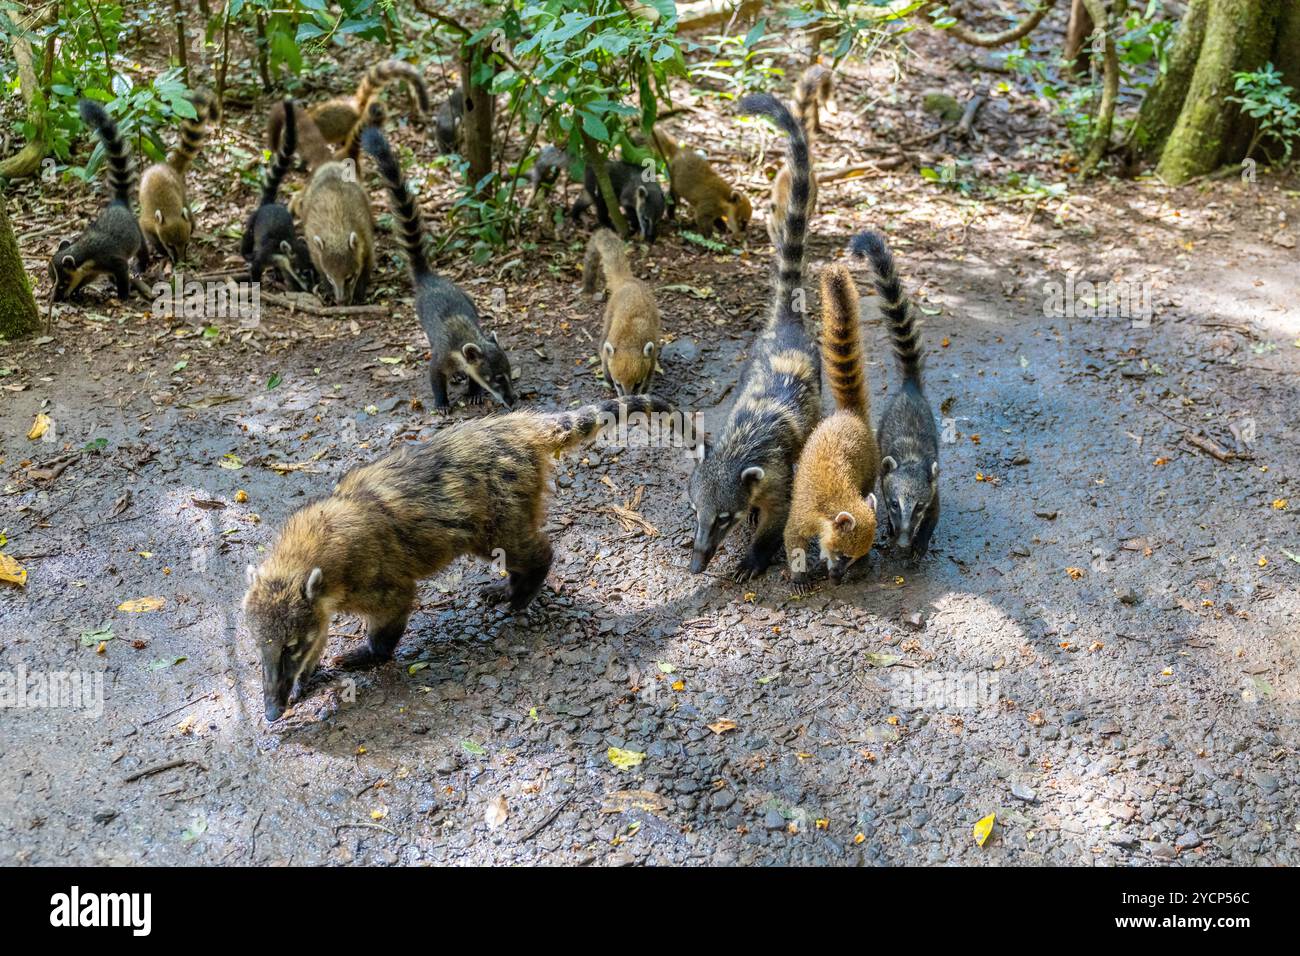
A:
(1268, 101)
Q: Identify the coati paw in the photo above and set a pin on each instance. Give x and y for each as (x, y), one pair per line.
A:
(474, 398)
(802, 585)
(359, 658)
(496, 592)
(748, 569)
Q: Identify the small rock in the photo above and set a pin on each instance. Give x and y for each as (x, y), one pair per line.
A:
(722, 799)
(916, 620)
(1127, 596)
(1188, 841)
(450, 763)
(773, 820)
(1023, 792)
(1021, 459)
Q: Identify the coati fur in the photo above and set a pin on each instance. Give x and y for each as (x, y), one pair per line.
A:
(448, 122)
(908, 436)
(748, 471)
(546, 169)
(336, 118)
(109, 243)
(476, 488)
(714, 201)
(814, 91)
(813, 88)
(270, 241)
(457, 342)
(834, 501)
(339, 230)
(642, 202)
(312, 148)
(629, 343)
(165, 215)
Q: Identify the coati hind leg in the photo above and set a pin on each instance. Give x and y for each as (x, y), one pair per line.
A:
(527, 569)
(122, 278)
(383, 629)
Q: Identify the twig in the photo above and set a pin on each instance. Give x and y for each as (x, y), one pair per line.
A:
(546, 821)
(188, 703)
(312, 308)
(169, 765)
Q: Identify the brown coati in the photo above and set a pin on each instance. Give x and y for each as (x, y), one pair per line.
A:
(448, 122)
(834, 501)
(814, 91)
(337, 118)
(165, 216)
(748, 470)
(114, 238)
(908, 437)
(640, 199)
(339, 230)
(270, 241)
(714, 202)
(629, 343)
(457, 342)
(476, 488)
(311, 145)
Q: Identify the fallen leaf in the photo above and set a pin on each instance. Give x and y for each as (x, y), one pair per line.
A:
(620, 801)
(722, 726)
(625, 759)
(496, 812)
(12, 572)
(142, 605)
(983, 828)
(39, 427)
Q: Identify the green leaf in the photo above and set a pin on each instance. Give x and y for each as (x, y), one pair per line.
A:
(274, 381)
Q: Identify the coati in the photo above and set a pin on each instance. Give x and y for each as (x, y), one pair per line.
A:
(165, 216)
(457, 342)
(478, 487)
(546, 169)
(337, 118)
(814, 91)
(316, 152)
(641, 201)
(834, 501)
(114, 238)
(714, 202)
(337, 224)
(312, 148)
(447, 123)
(908, 437)
(748, 471)
(269, 239)
(630, 340)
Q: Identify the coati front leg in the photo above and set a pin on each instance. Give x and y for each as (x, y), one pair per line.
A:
(527, 566)
(142, 256)
(474, 393)
(768, 537)
(384, 628)
(121, 277)
(438, 382)
(796, 553)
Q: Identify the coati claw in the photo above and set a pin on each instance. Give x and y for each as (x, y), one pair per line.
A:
(496, 592)
(359, 658)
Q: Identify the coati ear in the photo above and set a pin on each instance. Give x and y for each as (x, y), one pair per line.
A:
(352, 239)
(157, 214)
(934, 470)
(642, 192)
(317, 240)
(285, 247)
(649, 349)
(845, 522)
(471, 351)
(185, 213)
(63, 245)
(69, 261)
(495, 340)
(887, 464)
(751, 475)
(871, 501)
(250, 575)
(608, 349)
(311, 590)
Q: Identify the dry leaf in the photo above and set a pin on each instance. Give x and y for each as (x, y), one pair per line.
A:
(722, 726)
(39, 427)
(496, 812)
(141, 605)
(625, 759)
(983, 828)
(12, 572)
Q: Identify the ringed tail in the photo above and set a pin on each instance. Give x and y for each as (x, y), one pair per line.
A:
(193, 131)
(283, 157)
(571, 429)
(668, 146)
(121, 174)
(842, 341)
(605, 252)
(805, 91)
(903, 329)
(381, 74)
(373, 115)
(405, 210)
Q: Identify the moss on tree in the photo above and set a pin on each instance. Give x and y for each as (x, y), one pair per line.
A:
(18, 313)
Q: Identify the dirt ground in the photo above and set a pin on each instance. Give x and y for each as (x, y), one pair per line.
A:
(1100, 648)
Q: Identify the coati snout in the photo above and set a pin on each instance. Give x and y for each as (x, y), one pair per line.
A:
(289, 623)
(910, 490)
(488, 366)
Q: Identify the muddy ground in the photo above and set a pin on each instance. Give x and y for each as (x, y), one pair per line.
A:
(1100, 648)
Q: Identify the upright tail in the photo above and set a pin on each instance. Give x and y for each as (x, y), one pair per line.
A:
(374, 116)
(283, 157)
(194, 131)
(903, 329)
(789, 275)
(807, 90)
(571, 429)
(668, 146)
(121, 173)
(842, 342)
(381, 74)
(605, 254)
(410, 223)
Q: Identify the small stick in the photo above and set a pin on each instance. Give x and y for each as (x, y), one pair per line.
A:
(169, 765)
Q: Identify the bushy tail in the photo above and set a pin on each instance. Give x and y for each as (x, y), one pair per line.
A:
(842, 341)
(605, 255)
(374, 116)
(789, 277)
(668, 146)
(407, 213)
(121, 173)
(194, 131)
(807, 90)
(381, 74)
(283, 157)
(903, 329)
(571, 429)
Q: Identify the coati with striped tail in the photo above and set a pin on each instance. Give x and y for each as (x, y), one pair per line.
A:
(908, 437)
(834, 501)
(337, 118)
(629, 343)
(748, 471)
(807, 94)
(814, 92)
(165, 215)
(270, 241)
(641, 200)
(714, 201)
(457, 342)
(478, 487)
(114, 238)
(337, 224)
(448, 122)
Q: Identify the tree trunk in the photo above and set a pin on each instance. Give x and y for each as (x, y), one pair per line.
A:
(1077, 35)
(35, 92)
(18, 313)
(601, 168)
(476, 125)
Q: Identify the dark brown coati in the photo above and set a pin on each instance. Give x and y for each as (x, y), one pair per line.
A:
(457, 342)
(909, 439)
(478, 487)
(814, 92)
(629, 342)
(714, 202)
(336, 118)
(448, 122)
(546, 169)
(270, 241)
(165, 215)
(834, 501)
(747, 472)
(114, 238)
(640, 199)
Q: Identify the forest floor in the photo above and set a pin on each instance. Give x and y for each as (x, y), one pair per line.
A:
(1100, 648)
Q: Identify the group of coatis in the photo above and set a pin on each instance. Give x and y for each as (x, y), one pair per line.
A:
(480, 486)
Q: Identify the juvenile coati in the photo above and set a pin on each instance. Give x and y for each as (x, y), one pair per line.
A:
(457, 342)
(165, 216)
(814, 91)
(269, 239)
(714, 202)
(748, 470)
(337, 224)
(834, 500)
(630, 340)
(546, 169)
(909, 440)
(337, 118)
(114, 238)
(478, 487)
(447, 124)
(641, 201)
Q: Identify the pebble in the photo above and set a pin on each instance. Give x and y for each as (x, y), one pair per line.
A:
(1023, 792)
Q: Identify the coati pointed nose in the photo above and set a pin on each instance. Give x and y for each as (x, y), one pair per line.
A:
(274, 711)
(699, 561)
